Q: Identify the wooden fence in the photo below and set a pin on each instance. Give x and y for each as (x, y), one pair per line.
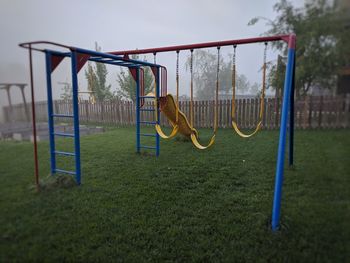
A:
(310, 112)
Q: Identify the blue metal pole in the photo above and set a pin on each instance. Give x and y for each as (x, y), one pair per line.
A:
(114, 57)
(50, 112)
(76, 117)
(158, 111)
(138, 146)
(291, 119)
(282, 141)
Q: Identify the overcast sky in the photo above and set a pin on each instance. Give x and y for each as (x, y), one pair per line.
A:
(120, 25)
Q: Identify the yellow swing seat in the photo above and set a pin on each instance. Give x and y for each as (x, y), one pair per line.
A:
(262, 98)
(169, 109)
(235, 127)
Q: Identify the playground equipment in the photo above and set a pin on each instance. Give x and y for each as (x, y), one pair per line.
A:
(174, 122)
(166, 102)
(262, 97)
(194, 138)
(172, 112)
(21, 86)
(78, 57)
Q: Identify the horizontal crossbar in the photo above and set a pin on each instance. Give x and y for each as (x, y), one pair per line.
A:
(147, 97)
(148, 147)
(64, 171)
(286, 38)
(148, 135)
(63, 115)
(65, 153)
(63, 134)
(149, 122)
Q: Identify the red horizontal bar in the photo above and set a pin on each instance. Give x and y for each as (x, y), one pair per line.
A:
(286, 38)
(28, 45)
(290, 39)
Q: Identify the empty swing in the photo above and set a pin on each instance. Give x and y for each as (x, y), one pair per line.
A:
(194, 136)
(262, 97)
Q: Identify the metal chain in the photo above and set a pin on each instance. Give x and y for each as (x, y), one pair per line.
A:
(218, 66)
(156, 102)
(263, 84)
(191, 64)
(234, 55)
(177, 66)
(217, 92)
(233, 106)
(191, 101)
(177, 84)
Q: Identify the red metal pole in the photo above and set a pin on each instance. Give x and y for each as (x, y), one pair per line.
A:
(36, 164)
(204, 45)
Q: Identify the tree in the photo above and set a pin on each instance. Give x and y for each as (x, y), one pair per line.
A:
(276, 74)
(127, 84)
(67, 92)
(321, 41)
(204, 76)
(204, 73)
(96, 76)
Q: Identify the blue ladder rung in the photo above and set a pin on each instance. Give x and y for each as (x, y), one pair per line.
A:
(64, 171)
(147, 147)
(63, 115)
(65, 153)
(146, 109)
(63, 134)
(148, 134)
(147, 97)
(148, 122)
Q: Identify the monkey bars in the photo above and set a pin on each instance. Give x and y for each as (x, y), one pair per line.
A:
(78, 57)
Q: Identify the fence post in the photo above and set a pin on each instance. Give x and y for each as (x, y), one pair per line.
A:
(277, 110)
(310, 112)
(320, 112)
(6, 115)
(338, 110)
(264, 113)
(347, 111)
(305, 113)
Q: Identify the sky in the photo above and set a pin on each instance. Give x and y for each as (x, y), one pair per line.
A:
(121, 25)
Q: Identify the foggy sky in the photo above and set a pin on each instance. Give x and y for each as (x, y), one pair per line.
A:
(120, 25)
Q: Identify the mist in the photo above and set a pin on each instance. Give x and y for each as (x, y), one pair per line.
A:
(121, 25)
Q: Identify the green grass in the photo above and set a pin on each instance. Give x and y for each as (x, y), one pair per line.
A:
(186, 205)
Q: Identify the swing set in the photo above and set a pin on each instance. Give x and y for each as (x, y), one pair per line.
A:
(186, 127)
(164, 102)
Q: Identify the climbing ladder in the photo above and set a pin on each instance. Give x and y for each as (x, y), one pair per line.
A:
(52, 116)
(140, 103)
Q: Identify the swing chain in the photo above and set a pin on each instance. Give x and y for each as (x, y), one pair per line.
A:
(155, 57)
(177, 84)
(191, 90)
(234, 55)
(218, 65)
(264, 71)
(177, 65)
(191, 64)
(217, 91)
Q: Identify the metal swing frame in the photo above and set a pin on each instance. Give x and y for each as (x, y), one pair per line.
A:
(80, 56)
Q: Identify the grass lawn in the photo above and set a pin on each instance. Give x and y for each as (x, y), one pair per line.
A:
(186, 205)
